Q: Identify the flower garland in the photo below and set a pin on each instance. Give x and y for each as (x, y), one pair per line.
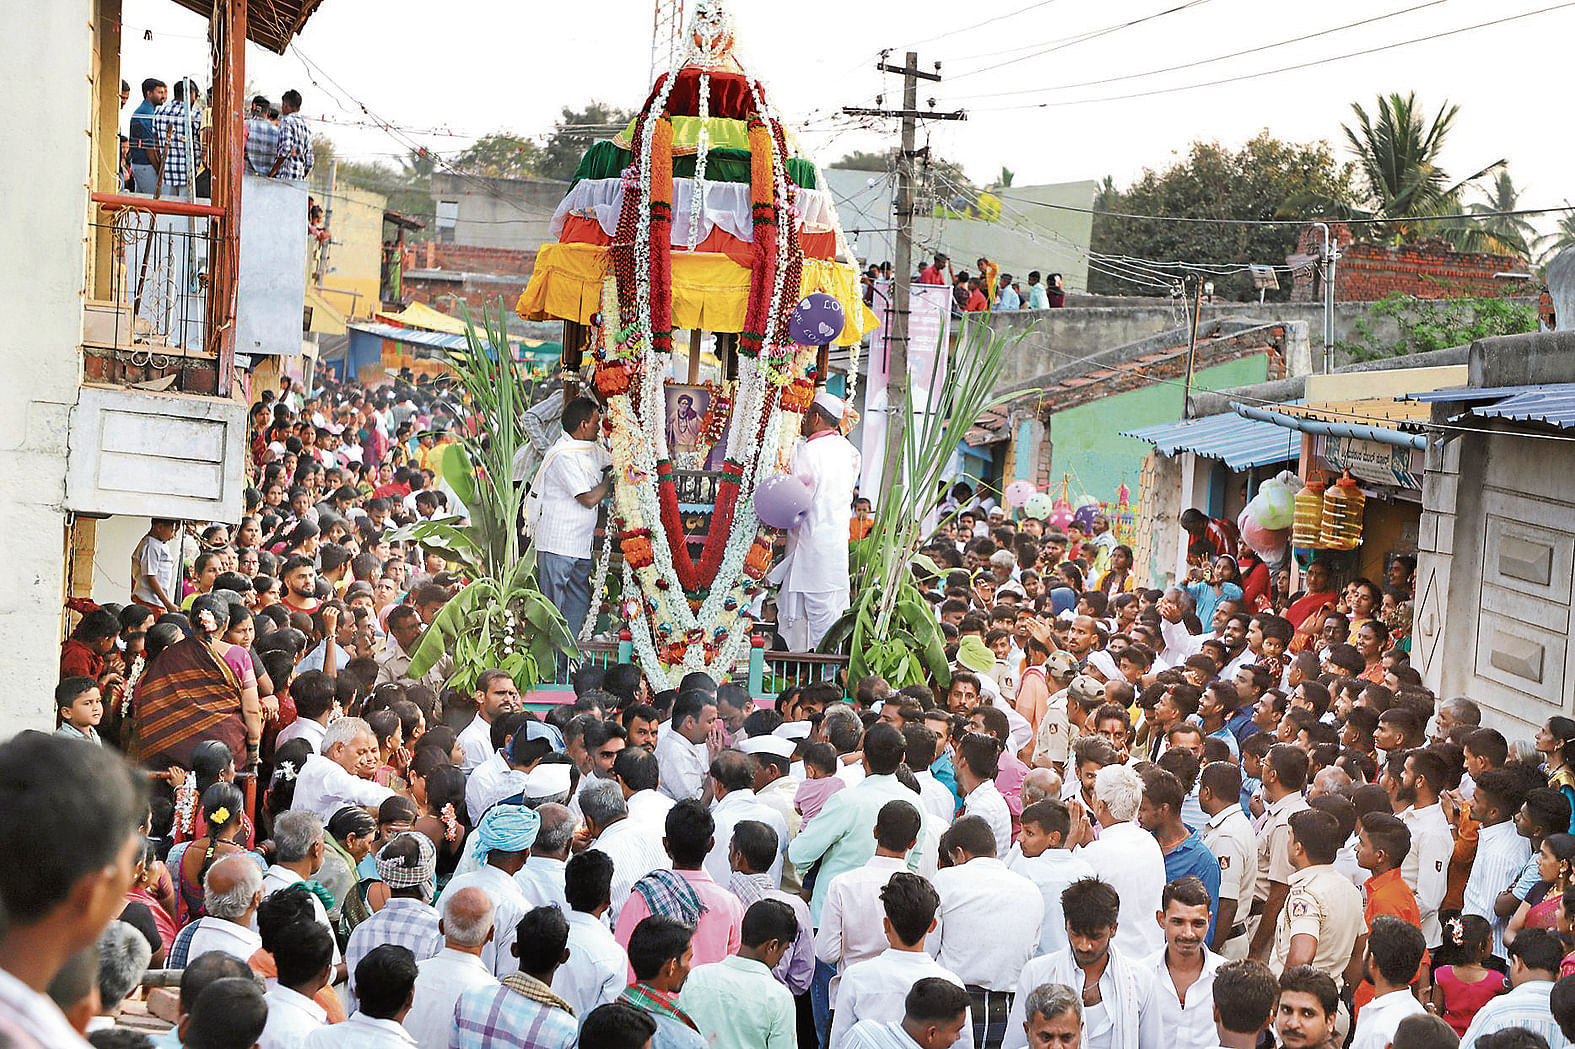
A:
(683, 613)
(598, 581)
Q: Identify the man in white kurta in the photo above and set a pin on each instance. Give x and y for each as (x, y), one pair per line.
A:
(814, 575)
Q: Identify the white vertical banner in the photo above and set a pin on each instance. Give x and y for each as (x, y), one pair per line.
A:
(929, 327)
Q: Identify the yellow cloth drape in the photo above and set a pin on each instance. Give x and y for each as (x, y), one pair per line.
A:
(710, 290)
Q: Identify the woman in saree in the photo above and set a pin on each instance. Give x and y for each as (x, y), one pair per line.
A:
(197, 689)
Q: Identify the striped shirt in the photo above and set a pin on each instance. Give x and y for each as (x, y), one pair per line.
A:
(262, 145)
(1524, 1006)
(1501, 855)
(873, 1034)
(402, 921)
(172, 126)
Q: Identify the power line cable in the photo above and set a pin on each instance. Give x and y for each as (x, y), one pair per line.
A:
(1092, 35)
(1210, 61)
(1279, 70)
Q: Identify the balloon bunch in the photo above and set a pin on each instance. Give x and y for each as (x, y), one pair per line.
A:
(1265, 523)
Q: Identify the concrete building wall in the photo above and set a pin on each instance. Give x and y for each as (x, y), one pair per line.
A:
(1085, 441)
(497, 212)
(43, 227)
(354, 272)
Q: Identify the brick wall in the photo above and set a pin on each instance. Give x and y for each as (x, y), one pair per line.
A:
(1428, 269)
(469, 258)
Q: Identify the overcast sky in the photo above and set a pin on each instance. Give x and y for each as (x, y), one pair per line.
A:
(474, 66)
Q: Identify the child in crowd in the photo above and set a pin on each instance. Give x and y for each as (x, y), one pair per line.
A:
(1461, 989)
(81, 707)
(820, 783)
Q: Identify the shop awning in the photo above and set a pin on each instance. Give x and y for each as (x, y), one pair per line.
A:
(1239, 443)
(524, 349)
(1363, 420)
(1549, 403)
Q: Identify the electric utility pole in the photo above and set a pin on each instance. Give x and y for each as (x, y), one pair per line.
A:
(902, 265)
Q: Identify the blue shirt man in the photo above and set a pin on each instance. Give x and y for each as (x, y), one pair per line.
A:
(142, 137)
(1183, 848)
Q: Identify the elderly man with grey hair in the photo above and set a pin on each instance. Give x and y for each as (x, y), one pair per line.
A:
(1040, 784)
(231, 892)
(1053, 1017)
(298, 848)
(440, 980)
(342, 773)
(1452, 714)
(635, 848)
(541, 880)
(123, 956)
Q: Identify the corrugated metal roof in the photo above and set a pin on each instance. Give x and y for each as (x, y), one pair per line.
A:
(1553, 404)
(1471, 394)
(1239, 443)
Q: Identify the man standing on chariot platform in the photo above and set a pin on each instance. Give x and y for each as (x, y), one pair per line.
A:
(814, 574)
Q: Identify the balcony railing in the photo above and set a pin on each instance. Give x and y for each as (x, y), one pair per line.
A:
(145, 324)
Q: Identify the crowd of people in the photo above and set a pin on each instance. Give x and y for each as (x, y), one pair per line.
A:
(1226, 813)
(985, 289)
(166, 142)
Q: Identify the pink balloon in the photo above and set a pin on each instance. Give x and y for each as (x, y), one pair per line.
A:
(1061, 515)
(1267, 543)
(782, 500)
(1017, 492)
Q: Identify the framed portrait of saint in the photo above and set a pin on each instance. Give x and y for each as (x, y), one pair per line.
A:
(685, 421)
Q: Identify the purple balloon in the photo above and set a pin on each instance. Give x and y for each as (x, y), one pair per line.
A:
(816, 320)
(1085, 516)
(782, 500)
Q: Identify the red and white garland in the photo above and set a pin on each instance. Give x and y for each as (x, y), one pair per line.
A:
(683, 615)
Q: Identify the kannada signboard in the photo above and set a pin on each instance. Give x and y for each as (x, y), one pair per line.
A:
(1372, 460)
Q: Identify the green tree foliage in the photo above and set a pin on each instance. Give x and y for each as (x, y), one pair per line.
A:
(500, 155)
(1398, 153)
(578, 129)
(1563, 236)
(408, 192)
(1264, 179)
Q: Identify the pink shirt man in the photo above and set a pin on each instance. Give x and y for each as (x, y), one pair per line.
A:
(719, 931)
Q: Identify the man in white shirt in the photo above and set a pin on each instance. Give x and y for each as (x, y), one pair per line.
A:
(503, 775)
(687, 745)
(495, 696)
(978, 759)
(733, 780)
(877, 988)
(635, 770)
(298, 849)
(231, 892)
(597, 968)
(313, 695)
(935, 796)
(1228, 835)
(1502, 853)
(1394, 952)
(541, 879)
(565, 495)
(457, 968)
(153, 569)
(501, 844)
(814, 574)
(1245, 996)
(851, 927)
(342, 774)
(1184, 968)
(635, 848)
(1128, 857)
(1117, 991)
(1041, 856)
(304, 956)
(976, 890)
(385, 983)
(1426, 867)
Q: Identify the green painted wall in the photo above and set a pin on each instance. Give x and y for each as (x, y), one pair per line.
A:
(1086, 441)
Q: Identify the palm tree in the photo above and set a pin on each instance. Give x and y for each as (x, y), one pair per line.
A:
(1398, 154)
(1562, 237)
(1498, 233)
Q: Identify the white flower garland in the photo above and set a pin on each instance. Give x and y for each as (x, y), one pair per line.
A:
(598, 581)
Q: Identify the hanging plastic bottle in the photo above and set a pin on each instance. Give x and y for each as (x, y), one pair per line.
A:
(1342, 514)
(1307, 525)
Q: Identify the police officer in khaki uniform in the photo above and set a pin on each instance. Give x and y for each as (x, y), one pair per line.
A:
(1321, 921)
(1228, 834)
(1284, 776)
